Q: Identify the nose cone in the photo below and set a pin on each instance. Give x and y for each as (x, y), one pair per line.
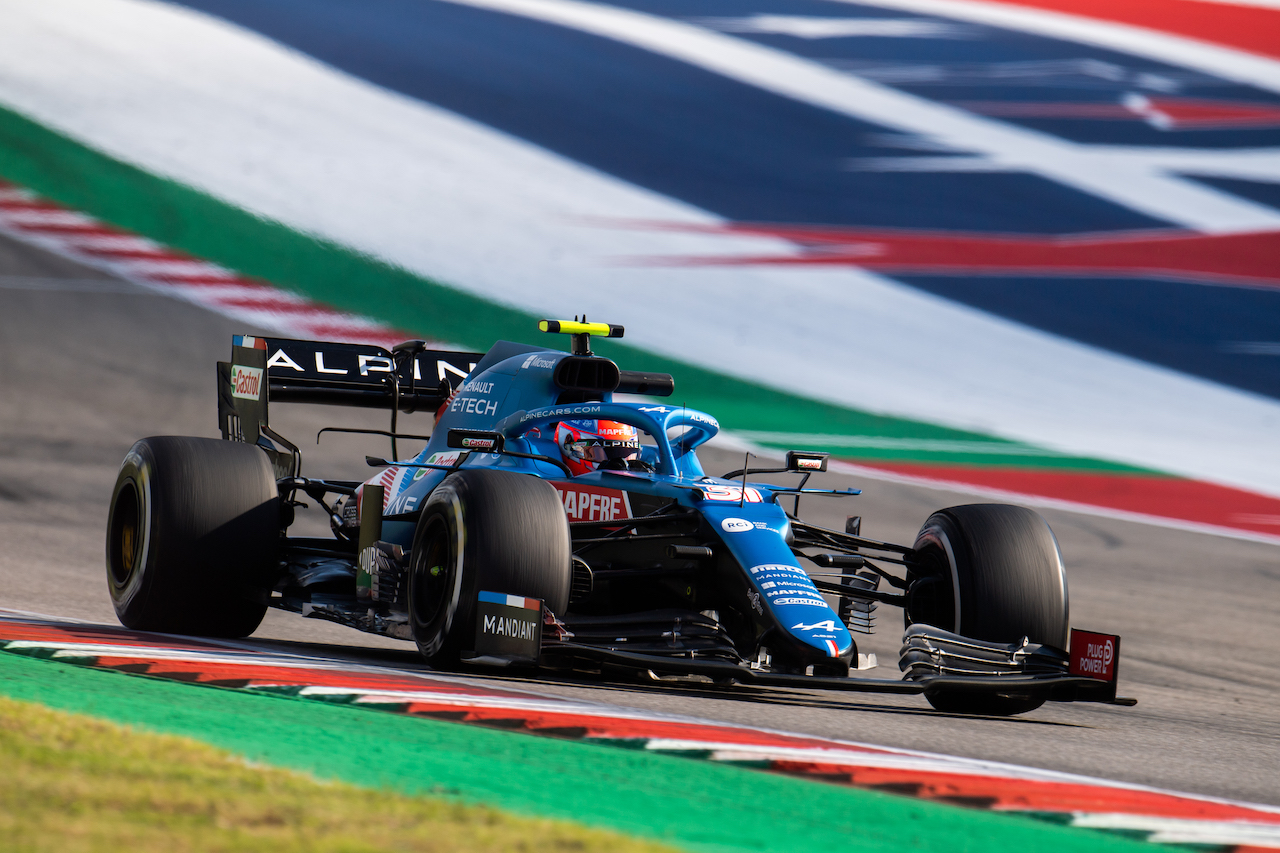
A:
(800, 610)
(779, 590)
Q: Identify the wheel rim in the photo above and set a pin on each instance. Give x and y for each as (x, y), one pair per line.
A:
(432, 578)
(126, 536)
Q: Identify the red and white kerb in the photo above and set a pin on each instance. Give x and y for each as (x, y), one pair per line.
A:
(32, 219)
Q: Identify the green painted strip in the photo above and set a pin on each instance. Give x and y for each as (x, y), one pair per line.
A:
(985, 453)
(879, 442)
(697, 805)
(69, 172)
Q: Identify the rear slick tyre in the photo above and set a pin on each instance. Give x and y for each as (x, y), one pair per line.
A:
(496, 531)
(990, 572)
(193, 537)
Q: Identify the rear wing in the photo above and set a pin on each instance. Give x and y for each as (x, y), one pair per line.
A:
(408, 378)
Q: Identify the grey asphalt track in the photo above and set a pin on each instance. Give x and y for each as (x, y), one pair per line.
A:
(93, 363)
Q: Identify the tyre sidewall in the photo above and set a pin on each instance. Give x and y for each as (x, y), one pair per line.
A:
(938, 538)
(131, 595)
(444, 517)
(209, 515)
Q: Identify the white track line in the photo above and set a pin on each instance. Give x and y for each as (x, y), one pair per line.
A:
(1221, 61)
(1011, 147)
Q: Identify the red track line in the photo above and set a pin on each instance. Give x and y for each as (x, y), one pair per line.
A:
(1008, 794)
(23, 212)
(605, 726)
(1242, 260)
(301, 676)
(1247, 28)
(17, 629)
(1173, 113)
(1165, 497)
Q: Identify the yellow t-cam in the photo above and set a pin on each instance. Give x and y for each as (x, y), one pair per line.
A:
(581, 332)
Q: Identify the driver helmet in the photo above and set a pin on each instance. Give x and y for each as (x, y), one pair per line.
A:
(586, 445)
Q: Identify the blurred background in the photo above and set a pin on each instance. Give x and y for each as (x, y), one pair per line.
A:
(1028, 247)
(1024, 249)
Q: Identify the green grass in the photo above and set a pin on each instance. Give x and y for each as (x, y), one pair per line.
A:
(73, 783)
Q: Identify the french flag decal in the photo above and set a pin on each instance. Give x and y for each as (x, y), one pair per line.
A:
(831, 648)
(511, 600)
(249, 342)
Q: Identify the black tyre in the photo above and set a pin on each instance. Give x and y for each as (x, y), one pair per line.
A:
(193, 537)
(484, 530)
(990, 572)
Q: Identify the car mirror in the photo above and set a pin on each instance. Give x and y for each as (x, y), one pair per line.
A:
(802, 462)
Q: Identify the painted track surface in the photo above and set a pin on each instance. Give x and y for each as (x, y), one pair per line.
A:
(733, 160)
(622, 109)
(102, 363)
(532, 236)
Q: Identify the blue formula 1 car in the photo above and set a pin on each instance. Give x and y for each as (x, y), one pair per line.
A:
(548, 523)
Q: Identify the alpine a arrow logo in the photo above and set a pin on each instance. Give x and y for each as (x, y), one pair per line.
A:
(826, 625)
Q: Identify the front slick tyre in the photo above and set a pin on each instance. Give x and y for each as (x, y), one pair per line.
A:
(990, 572)
(489, 530)
(193, 537)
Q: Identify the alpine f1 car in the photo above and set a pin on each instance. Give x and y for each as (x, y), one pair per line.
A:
(553, 521)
